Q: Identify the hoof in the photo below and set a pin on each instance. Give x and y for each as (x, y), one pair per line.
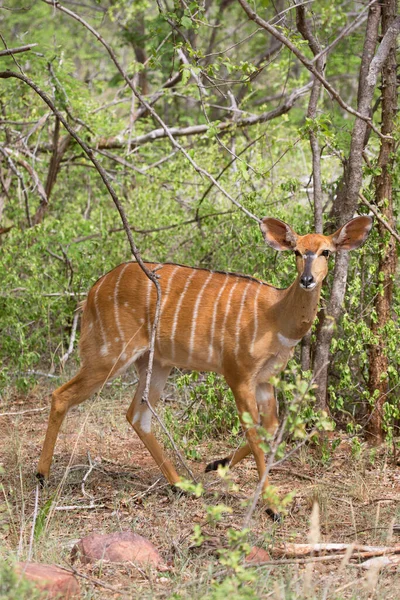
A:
(178, 492)
(41, 479)
(213, 466)
(276, 517)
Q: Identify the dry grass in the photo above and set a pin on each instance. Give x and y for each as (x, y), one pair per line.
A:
(357, 501)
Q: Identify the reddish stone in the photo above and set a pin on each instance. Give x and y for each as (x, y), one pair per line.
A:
(124, 546)
(57, 582)
(257, 555)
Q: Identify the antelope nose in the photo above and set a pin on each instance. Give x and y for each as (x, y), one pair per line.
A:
(306, 280)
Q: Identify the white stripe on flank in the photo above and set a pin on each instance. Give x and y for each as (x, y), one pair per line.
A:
(211, 347)
(239, 317)
(164, 299)
(195, 313)
(116, 306)
(104, 348)
(253, 341)
(168, 288)
(227, 309)
(177, 310)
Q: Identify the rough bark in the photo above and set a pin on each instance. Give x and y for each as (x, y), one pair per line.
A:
(345, 206)
(304, 28)
(378, 380)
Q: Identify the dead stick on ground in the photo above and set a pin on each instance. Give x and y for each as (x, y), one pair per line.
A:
(102, 584)
(293, 550)
(23, 412)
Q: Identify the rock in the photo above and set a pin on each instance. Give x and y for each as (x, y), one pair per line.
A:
(57, 582)
(124, 546)
(257, 555)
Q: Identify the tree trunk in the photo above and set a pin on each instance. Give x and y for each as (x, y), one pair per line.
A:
(304, 27)
(378, 375)
(346, 204)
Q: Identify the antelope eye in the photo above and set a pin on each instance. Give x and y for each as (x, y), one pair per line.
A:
(325, 253)
(297, 253)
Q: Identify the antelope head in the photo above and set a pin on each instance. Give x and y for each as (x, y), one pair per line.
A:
(313, 250)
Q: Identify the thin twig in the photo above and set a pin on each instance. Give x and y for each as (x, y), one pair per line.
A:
(92, 466)
(90, 153)
(79, 507)
(196, 219)
(260, 486)
(68, 353)
(21, 179)
(107, 586)
(167, 132)
(379, 217)
(349, 28)
(35, 512)
(375, 66)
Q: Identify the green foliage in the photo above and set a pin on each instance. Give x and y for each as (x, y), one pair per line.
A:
(209, 411)
(40, 523)
(47, 269)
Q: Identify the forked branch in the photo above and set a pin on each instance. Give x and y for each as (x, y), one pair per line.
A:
(150, 109)
(375, 67)
(135, 251)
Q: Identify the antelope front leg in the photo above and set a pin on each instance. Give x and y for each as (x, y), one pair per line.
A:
(267, 407)
(268, 411)
(246, 402)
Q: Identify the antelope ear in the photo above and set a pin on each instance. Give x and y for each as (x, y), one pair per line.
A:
(353, 234)
(278, 234)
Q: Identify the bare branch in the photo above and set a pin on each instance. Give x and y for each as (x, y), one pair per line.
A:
(135, 251)
(121, 161)
(21, 179)
(17, 50)
(71, 339)
(167, 131)
(384, 48)
(372, 208)
(196, 219)
(161, 133)
(350, 28)
(35, 177)
(59, 149)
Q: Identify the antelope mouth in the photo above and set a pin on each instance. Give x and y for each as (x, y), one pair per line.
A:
(308, 287)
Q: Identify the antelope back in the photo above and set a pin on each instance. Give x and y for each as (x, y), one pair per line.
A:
(206, 317)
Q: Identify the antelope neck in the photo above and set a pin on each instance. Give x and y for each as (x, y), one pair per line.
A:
(297, 309)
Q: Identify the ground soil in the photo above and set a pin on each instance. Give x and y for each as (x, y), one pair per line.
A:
(104, 480)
